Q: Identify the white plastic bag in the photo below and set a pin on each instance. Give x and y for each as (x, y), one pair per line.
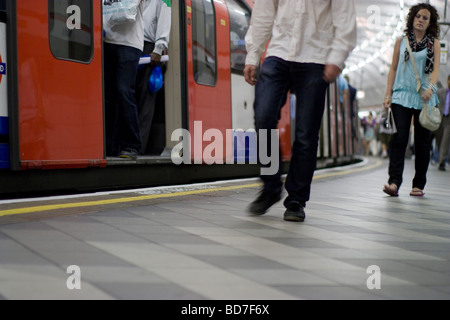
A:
(116, 12)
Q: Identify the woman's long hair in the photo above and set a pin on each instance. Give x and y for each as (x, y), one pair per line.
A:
(433, 29)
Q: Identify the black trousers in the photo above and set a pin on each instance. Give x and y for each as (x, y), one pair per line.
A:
(146, 101)
(276, 78)
(403, 118)
(121, 113)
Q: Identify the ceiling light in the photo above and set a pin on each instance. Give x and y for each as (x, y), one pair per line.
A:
(380, 35)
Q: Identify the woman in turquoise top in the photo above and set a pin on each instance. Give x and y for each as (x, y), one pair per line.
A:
(422, 32)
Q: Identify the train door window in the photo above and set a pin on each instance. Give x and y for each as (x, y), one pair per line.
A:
(204, 42)
(3, 5)
(70, 29)
(239, 24)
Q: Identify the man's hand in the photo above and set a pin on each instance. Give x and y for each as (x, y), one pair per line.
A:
(155, 58)
(331, 72)
(250, 74)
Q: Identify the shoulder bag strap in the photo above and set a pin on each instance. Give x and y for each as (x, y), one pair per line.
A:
(413, 62)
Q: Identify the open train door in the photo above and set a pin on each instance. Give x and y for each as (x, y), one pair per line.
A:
(57, 114)
(209, 84)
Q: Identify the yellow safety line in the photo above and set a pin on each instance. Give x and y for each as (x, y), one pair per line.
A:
(118, 200)
(157, 196)
(344, 172)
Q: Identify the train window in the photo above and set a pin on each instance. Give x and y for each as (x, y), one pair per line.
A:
(239, 24)
(70, 28)
(3, 5)
(204, 42)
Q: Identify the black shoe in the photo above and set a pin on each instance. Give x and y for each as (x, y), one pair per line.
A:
(265, 200)
(442, 167)
(129, 154)
(295, 212)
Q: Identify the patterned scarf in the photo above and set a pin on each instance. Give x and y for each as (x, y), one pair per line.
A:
(428, 43)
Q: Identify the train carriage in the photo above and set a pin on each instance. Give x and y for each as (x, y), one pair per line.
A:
(52, 100)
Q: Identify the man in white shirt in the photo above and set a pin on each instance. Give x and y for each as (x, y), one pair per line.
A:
(309, 43)
(122, 50)
(158, 20)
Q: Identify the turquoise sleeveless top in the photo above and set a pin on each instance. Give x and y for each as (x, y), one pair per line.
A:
(404, 89)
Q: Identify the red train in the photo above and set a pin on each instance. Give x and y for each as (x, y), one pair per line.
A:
(52, 98)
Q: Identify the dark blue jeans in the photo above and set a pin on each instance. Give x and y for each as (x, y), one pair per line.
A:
(399, 142)
(121, 114)
(278, 77)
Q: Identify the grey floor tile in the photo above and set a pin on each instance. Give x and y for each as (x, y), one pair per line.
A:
(422, 278)
(327, 292)
(252, 263)
(438, 266)
(276, 277)
(207, 247)
(117, 274)
(21, 257)
(411, 293)
(387, 265)
(81, 258)
(147, 291)
(168, 239)
(306, 243)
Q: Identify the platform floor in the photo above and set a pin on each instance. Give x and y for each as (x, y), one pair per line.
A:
(197, 243)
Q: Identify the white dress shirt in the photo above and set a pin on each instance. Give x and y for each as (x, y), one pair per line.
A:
(158, 21)
(306, 31)
(128, 34)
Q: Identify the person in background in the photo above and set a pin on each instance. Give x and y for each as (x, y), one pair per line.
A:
(158, 20)
(122, 50)
(422, 33)
(344, 92)
(443, 133)
(353, 113)
(385, 140)
(368, 124)
(309, 43)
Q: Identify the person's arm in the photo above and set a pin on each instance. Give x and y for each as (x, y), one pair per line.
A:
(263, 16)
(392, 73)
(163, 28)
(344, 40)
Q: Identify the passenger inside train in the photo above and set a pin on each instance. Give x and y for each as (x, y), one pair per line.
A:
(150, 101)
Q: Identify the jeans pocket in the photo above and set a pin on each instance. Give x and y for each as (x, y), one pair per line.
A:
(273, 66)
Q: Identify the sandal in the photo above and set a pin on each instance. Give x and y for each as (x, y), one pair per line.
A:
(391, 189)
(416, 192)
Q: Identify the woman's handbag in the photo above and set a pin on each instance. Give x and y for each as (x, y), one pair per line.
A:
(387, 124)
(430, 117)
(116, 12)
